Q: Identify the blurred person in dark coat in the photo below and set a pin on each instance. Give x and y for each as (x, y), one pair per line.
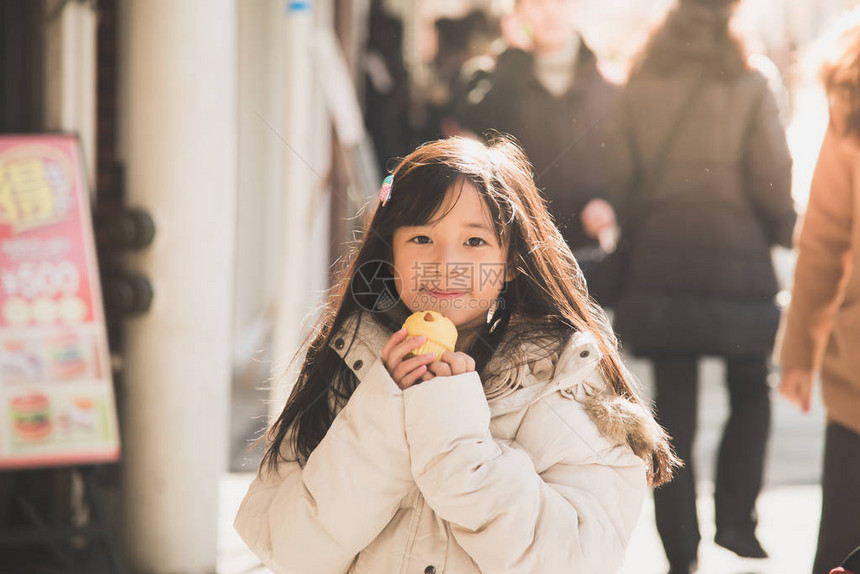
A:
(821, 331)
(546, 90)
(386, 88)
(702, 172)
(457, 41)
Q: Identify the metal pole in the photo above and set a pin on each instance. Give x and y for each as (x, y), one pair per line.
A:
(70, 75)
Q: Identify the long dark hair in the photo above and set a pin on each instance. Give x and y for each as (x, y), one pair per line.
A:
(548, 288)
(695, 33)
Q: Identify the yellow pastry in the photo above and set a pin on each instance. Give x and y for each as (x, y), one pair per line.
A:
(440, 332)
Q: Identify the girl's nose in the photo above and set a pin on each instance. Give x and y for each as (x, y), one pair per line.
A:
(447, 252)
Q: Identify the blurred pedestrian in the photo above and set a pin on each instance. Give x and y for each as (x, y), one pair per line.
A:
(387, 94)
(457, 41)
(702, 172)
(546, 90)
(821, 332)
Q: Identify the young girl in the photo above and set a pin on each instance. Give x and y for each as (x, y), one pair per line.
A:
(527, 449)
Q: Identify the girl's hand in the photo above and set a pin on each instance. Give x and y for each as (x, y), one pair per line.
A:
(409, 371)
(796, 386)
(452, 363)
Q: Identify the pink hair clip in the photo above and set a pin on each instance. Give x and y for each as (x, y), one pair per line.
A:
(385, 190)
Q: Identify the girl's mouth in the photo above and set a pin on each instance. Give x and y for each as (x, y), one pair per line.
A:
(446, 294)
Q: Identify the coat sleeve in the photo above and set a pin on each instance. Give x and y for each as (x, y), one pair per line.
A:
(618, 158)
(511, 508)
(822, 260)
(767, 164)
(317, 518)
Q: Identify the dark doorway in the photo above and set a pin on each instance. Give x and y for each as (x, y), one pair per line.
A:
(21, 66)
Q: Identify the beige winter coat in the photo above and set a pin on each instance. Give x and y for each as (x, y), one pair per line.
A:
(437, 479)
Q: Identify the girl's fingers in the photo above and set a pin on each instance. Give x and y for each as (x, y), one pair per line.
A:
(411, 378)
(404, 348)
(470, 363)
(394, 340)
(440, 369)
(408, 371)
(409, 365)
(456, 360)
(467, 363)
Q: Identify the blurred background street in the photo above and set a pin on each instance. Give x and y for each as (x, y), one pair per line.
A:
(232, 150)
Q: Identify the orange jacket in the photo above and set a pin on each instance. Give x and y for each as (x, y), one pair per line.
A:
(821, 329)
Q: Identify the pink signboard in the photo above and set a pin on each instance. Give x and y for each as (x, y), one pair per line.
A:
(56, 396)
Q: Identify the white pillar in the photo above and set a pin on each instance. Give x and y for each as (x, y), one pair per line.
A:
(178, 142)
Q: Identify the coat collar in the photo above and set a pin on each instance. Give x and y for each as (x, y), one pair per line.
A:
(359, 342)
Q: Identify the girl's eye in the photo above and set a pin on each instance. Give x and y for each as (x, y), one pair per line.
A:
(471, 242)
(420, 240)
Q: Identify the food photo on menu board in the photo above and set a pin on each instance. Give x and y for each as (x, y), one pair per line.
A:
(56, 393)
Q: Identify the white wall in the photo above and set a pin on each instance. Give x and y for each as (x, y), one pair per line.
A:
(258, 238)
(305, 160)
(282, 243)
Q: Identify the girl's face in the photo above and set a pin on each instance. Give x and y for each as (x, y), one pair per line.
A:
(454, 265)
